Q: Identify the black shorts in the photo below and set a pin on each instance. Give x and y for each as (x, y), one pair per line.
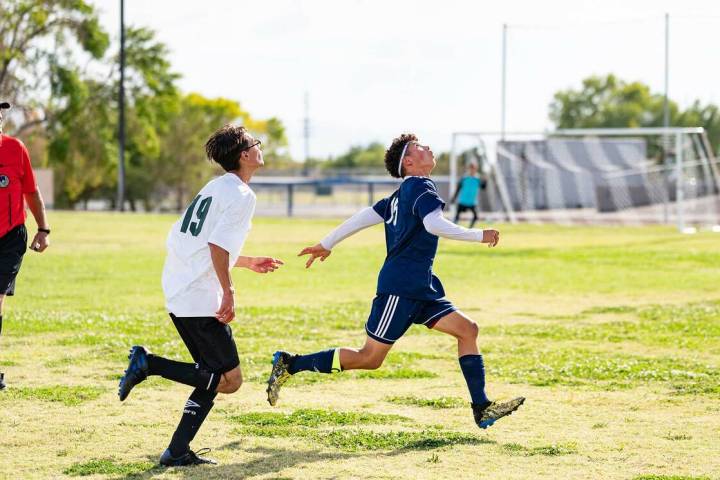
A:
(464, 208)
(210, 342)
(13, 246)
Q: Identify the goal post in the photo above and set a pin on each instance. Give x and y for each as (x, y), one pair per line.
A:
(616, 176)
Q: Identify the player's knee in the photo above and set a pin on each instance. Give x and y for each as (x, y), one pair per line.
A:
(231, 383)
(470, 331)
(231, 386)
(374, 362)
(234, 385)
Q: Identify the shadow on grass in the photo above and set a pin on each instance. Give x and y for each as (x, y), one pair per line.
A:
(270, 460)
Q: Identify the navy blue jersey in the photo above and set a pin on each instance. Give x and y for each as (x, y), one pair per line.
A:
(407, 271)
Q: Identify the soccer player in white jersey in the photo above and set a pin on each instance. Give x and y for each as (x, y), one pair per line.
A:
(201, 248)
(407, 291)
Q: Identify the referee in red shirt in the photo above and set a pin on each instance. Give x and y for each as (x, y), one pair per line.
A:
(17, 186)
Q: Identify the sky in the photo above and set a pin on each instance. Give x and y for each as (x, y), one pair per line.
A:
(373, 69)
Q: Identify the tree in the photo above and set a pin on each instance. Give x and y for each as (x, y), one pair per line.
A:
(36, 38)
(83, 128)
(183, 166)
(613, 103)
(371, 156)
(55, 67)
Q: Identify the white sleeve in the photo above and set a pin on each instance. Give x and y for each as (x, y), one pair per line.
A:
(367, 217)
(232, 228)
(437, 224)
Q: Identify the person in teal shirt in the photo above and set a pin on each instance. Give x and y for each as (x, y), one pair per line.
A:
(466, 193)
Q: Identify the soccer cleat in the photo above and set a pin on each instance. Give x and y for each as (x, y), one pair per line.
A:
(190, 458)
(486, 415)
(136, 372)
(2, 381)
(278, 376)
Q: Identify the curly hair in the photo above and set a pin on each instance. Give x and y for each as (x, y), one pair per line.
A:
(225, 145)
(392, 154)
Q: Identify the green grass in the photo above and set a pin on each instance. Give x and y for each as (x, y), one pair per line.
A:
(109, 467)
(70, 396)
(613, 332)
(669, 477)
(437, 403)
(546, 450)
(314, 418)
(352, 440)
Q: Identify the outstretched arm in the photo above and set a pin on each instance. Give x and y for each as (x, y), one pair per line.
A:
(259, 264)
(365, 218)
(437, 224)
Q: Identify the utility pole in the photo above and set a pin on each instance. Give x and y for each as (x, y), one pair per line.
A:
(306, 126)
(666, 122)
(121, 115)
(666, 107)
(504, 81)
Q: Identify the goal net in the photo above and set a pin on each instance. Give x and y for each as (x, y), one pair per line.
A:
(595, 176)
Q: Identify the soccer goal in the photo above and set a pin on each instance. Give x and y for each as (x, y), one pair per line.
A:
(623, 176)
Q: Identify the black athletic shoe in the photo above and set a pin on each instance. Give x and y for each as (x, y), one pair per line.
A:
(136, 372)
(278, 376)
(190, 458)
(2, 381)
(486, 415)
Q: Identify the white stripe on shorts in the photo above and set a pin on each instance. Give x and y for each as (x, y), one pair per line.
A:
(384, 317)
(388, 318)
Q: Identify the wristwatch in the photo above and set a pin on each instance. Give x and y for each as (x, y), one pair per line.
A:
(44, 230)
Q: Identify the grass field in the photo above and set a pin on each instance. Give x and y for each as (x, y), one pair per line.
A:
(613, 335)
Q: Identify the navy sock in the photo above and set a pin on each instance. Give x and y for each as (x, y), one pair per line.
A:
(187, 373)
(474, 372)
(196, 409)
(318, 362)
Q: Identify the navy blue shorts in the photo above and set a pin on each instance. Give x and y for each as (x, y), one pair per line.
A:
(391, 315)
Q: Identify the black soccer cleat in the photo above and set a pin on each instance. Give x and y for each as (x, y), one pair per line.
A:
(136, 372)
(486, 415)
(2, 381)
(278, 376)
(190, 458)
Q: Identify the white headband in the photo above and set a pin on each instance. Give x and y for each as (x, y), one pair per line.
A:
(402, 155)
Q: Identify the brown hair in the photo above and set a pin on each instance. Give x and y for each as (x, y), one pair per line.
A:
(225, 145)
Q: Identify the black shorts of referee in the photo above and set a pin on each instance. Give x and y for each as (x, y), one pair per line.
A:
(13, 246)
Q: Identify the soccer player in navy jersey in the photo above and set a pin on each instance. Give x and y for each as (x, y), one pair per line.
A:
(407, 292)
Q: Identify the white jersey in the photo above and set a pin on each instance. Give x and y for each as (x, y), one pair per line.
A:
(220, 214)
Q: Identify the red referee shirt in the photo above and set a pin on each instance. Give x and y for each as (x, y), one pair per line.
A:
(16, 179)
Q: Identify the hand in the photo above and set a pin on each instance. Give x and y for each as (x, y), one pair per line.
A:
(316, 251)
(491, 237)
(264, 264)
(226, 312)
(40, 242)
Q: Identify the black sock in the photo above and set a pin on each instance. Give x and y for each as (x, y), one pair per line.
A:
(196, 409)
(187, 373)
(0, 324)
